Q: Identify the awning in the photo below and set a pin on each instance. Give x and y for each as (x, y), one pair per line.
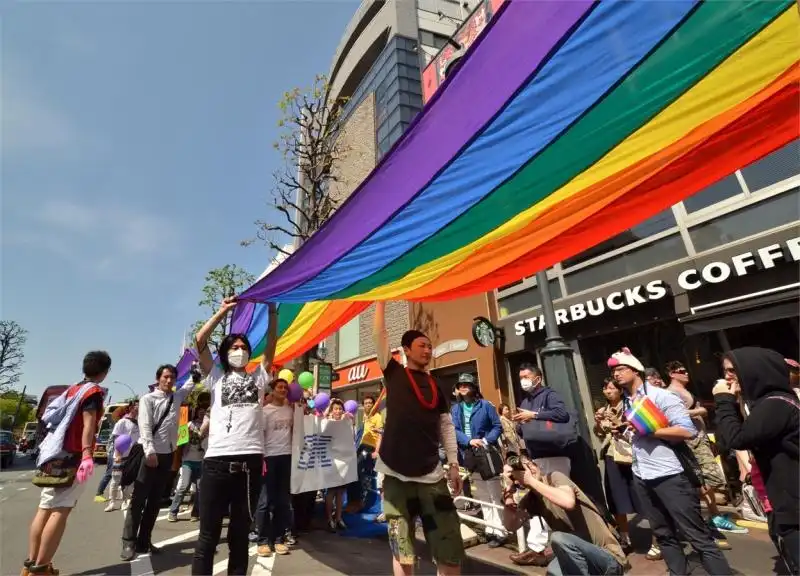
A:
(754, 310)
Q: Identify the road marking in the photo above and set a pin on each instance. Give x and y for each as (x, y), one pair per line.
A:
(22, 489)
(165, 516)
(262, 567)
(142, 566)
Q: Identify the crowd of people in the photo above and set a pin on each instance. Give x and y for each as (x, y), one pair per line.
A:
(519, 462)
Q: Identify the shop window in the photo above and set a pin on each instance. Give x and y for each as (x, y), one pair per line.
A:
(638, 260)
(658, 223)
(723, 190)
(780, 165)
(526, 299)
(770, 213)
(349, 336)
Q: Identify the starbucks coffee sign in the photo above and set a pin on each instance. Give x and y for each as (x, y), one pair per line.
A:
(688, 280)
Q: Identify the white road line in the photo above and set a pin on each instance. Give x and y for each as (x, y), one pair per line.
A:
(263, 566)
(141, 566)
(22, 489)
(221, 566)
(175, 539)
(165, 516)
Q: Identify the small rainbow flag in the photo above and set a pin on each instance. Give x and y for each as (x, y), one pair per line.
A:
(645, 416)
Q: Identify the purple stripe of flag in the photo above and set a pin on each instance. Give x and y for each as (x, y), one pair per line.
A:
(500, 61)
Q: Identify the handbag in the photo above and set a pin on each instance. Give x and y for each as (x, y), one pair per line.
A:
(556, 435)
(691, 467)
(486, 461)
(621, 451)
(133, 463)
(58, 473)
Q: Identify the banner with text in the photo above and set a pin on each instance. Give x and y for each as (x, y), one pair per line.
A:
(323, 453)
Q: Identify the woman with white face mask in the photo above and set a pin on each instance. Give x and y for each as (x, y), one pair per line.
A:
(233, 460)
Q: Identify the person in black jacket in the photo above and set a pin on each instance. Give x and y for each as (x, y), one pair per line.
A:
(761, 378)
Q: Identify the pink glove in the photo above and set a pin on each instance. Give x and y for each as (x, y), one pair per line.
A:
(85, 470)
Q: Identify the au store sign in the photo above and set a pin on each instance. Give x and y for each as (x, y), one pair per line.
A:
(690, 279)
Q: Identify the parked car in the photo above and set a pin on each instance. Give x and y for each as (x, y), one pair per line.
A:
(8, 449)
(101, 445)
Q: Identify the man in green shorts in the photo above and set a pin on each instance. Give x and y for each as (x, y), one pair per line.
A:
(415, 483)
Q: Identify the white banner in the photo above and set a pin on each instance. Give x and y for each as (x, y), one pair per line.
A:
(323, 453)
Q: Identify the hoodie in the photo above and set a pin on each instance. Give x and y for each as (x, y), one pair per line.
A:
(771, 430)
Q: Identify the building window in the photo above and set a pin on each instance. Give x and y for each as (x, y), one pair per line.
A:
(658, 223)
(526, 299)
(765, 215)
(723, 190)
(638, 260)
(773, 168)
(349, 337)
(432, 39)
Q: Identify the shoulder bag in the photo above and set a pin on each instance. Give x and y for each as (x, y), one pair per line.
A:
(133, 463)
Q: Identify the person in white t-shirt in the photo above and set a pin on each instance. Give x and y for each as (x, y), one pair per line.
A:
(234, 457)
(274, 512)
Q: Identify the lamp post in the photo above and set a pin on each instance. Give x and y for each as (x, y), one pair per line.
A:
(559, 370)
(135, 395)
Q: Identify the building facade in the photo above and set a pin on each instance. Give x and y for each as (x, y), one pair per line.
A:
(377, 70)
(714, 272)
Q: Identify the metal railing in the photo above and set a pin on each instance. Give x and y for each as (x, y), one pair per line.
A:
(521, 544)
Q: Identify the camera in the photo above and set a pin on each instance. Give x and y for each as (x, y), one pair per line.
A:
(514, 460)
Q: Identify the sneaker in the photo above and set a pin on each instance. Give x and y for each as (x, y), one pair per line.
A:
(264, 551)
(172, 517)
(654, 554)
(724, 524)
(111, 506)
(289, 539)
(253, 537)
(126, 504)
(128, 552)
(341, 525)
(281, 549)
(100, 499)
(531, 558)
(332, 525)
(194, 519)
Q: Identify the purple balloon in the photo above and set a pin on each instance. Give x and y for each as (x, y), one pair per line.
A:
(123, 443)
(351, 406)
(321, 401)
(295, 392)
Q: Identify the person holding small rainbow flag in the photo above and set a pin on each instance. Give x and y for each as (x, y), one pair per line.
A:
(664, 481)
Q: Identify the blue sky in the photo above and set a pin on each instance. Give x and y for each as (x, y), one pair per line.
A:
(136, 154)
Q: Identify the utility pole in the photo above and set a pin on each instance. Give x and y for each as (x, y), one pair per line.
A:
(559, 371)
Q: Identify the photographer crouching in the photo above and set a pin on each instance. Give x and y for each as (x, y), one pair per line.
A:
(583, 542)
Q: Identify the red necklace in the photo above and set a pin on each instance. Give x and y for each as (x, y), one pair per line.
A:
(434, 391)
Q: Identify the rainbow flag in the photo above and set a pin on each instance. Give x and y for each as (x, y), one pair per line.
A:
(567, 123)
(645, 416)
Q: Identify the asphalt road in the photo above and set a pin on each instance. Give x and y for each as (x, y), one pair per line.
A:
(91, 544)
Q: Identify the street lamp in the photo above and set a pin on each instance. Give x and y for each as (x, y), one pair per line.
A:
(135, 395)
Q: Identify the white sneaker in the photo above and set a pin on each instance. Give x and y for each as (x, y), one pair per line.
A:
(126, 504)
(112, 505)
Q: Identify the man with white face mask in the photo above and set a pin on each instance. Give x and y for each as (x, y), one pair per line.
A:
(539, 403)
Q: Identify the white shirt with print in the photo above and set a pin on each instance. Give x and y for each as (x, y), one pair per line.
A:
(237, 423)
(278, 430)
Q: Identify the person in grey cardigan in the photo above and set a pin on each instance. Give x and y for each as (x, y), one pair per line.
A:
(161, 405)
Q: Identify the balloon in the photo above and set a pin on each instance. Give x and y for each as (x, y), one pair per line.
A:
(351, 406)
(306, 380)
(123, 443)
(310, 404)
(287, 375)
(295, 392)
(321, 401)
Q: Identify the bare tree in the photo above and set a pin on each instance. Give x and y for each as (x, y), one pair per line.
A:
(220, 283)
(304, 187)
(12, 342)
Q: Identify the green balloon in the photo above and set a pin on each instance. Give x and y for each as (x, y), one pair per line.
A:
(306, 380)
